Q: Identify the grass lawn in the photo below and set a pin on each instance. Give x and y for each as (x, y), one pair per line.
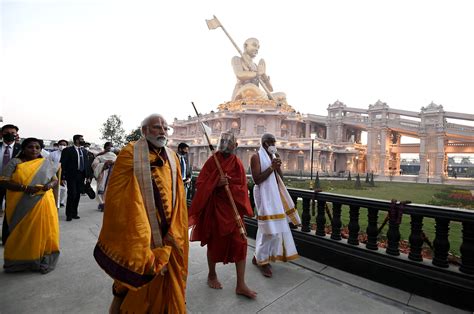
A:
(414, 192)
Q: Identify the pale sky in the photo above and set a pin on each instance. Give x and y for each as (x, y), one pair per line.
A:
(66, 65)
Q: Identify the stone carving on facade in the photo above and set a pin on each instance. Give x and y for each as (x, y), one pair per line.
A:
(378, 105)
(336, 105)
(431, 108)
(254, 104)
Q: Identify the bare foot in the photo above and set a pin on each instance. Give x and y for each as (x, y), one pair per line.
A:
(246, 292)
(213, 282)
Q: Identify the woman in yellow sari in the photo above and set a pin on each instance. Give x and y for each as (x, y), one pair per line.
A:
(31, 213)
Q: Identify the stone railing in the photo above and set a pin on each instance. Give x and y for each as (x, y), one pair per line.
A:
(405, 123)
(460, 128)
(355, 119)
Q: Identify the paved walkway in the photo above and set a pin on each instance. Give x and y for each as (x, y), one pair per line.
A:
(78, 285)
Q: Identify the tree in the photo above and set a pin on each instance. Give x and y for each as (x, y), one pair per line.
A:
(349, 177)
(133, 136)
(113, 131)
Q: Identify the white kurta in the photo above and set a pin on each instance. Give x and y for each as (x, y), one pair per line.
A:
(101, 174)
(274, 240)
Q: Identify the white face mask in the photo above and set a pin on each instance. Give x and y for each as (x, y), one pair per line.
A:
(61, 147)
(157, 142)
(272, 150)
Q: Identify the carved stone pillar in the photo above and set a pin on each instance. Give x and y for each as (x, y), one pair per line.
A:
(423, 157)
(384, 156)
(317, 164)
(243, 125)
(308, 129)
(369, 166)
(329, 165)
(433, 127)
(340, 131)
(441, 160)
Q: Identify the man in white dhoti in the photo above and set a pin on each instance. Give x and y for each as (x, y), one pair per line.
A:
(102, 166)
(275, 209)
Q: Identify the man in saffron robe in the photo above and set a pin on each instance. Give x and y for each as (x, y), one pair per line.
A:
(143, 244)
(275, 209)
(213, 218)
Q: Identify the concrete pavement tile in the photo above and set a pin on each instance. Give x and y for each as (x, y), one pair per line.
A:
(369, 285)
(77, 285)
(197, 261)
(309, 264)
(202, 299)
(251, 242)
(433, 306)
(317, 295)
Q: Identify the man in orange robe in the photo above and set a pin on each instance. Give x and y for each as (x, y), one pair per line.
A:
(213, 218)
(143, 244)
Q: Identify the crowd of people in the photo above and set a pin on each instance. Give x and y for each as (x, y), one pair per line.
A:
(144, 240)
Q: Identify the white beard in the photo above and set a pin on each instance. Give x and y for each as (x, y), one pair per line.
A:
(157, 141)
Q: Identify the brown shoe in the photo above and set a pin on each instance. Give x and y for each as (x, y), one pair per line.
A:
(254, 261)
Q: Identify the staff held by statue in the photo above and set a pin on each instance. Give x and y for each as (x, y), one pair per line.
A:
(238, 220)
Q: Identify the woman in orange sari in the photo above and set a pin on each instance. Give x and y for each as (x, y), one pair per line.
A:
(31, 213)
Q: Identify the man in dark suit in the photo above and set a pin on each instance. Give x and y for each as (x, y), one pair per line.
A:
(8, 150)
(75, 171)
(186, 171)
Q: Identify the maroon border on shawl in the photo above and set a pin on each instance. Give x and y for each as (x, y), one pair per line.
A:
(119, 272)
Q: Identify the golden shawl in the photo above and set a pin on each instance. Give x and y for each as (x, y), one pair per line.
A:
(130, 249)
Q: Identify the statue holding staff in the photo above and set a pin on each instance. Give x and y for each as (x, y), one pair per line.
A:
(250, 76)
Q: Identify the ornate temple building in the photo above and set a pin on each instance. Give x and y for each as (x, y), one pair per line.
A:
(335, 138)
(250, 119)
(328, 144)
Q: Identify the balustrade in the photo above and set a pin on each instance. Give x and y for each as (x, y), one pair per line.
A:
(336, 221)
(416, 238)
(442, 215)
(321, 219)
(353, 225)
(441, 243)
(372, 229)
